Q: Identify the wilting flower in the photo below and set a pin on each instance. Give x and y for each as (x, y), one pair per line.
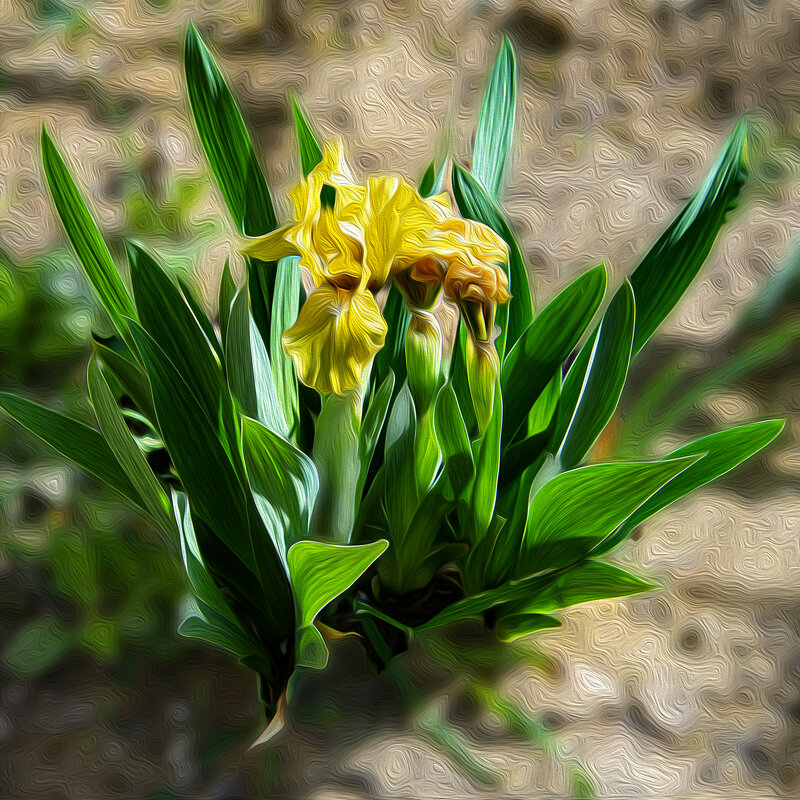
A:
(352, 239)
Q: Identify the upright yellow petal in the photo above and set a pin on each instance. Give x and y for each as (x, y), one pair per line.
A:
(336, 336)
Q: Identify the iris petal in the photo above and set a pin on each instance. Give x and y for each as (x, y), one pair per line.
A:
(337, 334)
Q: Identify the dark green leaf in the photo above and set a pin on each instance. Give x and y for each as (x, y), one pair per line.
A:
(85, 236)
(74, 440)
(166, 316)
(130, 377)
(310, 151)
(227, 291)
(605, 378)
(200, 315)
(495, 131)
(675, 259)
(537, 357)
(392, 357)
(127, 453)
(371, 428)
(226, 141)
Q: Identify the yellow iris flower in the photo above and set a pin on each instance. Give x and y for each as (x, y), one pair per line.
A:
(352, 239)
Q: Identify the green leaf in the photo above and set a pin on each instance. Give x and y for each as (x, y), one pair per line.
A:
(451, 432)
(200, 315)
(483, 495)
(166, 316)
(284, 483)
(226, 142)
(720, 452)
(74, 440)
(604, 381)
(130, 376)
(126, 451)
(590, 581)
(371, 428)
(249, 369)
(475, 204)
(310, 151)
(392, 356)
(227, 291)
(495, 131)
(537, 357)
(560, 530)
(320, 572)
(285, 305)
(210, 617)
(513, 626)
(204, 466)
(427, 180)
(675, 259)
(85, 236)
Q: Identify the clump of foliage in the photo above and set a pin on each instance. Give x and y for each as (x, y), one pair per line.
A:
(331, 464)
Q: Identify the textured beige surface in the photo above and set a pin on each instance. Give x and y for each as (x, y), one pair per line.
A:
(690, 692)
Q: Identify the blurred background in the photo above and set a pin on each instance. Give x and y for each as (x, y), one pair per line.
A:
(690, 692)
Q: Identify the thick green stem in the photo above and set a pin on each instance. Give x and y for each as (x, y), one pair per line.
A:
(335, 456)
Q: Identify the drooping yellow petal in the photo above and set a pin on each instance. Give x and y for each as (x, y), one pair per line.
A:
(270, 247)
(336, 336)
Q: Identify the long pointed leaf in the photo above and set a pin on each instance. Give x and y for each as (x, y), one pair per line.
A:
(74, 440)
(675, 259)
(225, 140)
(495, 131)
(85, 236)
(126, 451)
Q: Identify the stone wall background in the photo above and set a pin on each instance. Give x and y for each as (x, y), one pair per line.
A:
(690, 692)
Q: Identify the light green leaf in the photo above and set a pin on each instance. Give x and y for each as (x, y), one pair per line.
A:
(249, 369)
(593, 580)
(495, 131)
(720, 452)
(127, 452)
(285, 305)
(283, 481)
(74, 440)
(514, 626)
(483, 494)
(605, 378)
(85, 236)
(225, 140)
(336, 457)
(320, 572)
(576, 510)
